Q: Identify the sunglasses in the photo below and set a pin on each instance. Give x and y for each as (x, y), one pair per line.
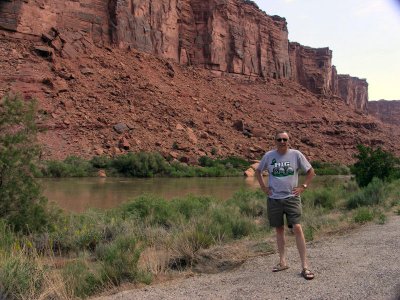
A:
(282, 140)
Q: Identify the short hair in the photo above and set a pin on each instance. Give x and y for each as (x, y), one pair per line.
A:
(281, 131)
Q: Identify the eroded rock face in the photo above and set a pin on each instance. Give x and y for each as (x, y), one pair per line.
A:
(224, 36)
(35, 17)
(221, 35)
(109, 101)
(312, 68)
(354, 91)
(385, 110)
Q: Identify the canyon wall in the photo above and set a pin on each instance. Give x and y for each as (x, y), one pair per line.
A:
(312, 68)
(224, 36)
(35, 17)
(385, 110)
(354, 91)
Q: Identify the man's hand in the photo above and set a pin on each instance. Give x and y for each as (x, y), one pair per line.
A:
(266, 190)
(298, 190)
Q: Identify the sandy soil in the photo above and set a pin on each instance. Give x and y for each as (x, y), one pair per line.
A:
(363, 264)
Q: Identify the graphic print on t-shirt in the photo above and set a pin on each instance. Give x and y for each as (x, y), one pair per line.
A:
(281, 169)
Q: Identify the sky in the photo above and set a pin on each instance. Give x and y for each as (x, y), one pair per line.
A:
(364, 36)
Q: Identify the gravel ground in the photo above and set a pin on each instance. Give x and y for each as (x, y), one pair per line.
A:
(364, 264)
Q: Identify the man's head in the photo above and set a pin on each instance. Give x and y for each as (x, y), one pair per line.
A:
(282, 141)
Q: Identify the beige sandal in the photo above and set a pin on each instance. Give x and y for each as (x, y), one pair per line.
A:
(279, 267)
(307, 274)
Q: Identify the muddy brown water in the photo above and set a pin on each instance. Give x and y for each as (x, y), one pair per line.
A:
(79, 194)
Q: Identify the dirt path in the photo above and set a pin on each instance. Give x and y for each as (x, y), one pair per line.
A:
(364, 264)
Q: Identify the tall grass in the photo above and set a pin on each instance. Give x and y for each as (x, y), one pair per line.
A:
(83, 254)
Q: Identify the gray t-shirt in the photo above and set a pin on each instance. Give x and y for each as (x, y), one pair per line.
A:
(283, 171)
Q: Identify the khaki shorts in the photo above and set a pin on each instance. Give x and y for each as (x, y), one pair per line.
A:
(277, 208)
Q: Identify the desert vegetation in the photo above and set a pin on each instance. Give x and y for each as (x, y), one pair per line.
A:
(142, 165)
(146, 165)
(46, 253)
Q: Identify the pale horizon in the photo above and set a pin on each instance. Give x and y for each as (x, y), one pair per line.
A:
(364, 36)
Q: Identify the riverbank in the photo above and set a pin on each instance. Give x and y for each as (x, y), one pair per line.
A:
(360, 264)
(149, 239)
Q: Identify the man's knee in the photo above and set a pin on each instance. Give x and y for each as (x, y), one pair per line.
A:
(297, 228)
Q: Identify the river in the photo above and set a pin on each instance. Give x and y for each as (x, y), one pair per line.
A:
(79, 194)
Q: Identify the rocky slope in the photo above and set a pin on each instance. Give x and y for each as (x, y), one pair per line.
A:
(185, 78)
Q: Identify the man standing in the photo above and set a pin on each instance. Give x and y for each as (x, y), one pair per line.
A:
(283, 194)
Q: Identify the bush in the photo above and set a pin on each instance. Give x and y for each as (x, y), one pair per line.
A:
(188, 242)
(309, 233)
(22, 204)
(80, 280)
(72, 166)
(371, 195)
(120, 259)
(374, 163)
(20, 276)
(100, 162)
(140, 165)
(226, 223)
(7, 237)
(250, 203)
(191, 206)
(363, 215)
(325, 198)
(229, 162)
(150, 210)
(325, 168)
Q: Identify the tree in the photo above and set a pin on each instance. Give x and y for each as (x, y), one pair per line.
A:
(373, 163)
(21, 202)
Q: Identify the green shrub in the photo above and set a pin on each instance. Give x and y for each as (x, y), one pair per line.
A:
(325, 198)
(374, 163)
(191, 206)
(363, 215)
(80, 279)
(228, 163)
(120, 259)
(250, 203)
(370, 195)
(72, 166)
(309, 233)
(100, 162)
(189, 241)
(7, 237)
(382, 218)
(22, 205)
(20, 276)
(226, 223)
(151, 210)
(140, 164)
(327, 168)
(206, 161)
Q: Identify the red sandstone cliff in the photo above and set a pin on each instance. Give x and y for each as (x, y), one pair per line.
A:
(385, 110)
(231, 36)
(100, 93)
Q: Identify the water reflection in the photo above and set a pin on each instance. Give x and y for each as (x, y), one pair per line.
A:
(78, 194)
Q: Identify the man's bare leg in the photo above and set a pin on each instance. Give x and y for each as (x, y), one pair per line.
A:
(280, 240)
(301, 244)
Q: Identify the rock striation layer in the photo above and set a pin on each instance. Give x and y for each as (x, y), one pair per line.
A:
(224, 36)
